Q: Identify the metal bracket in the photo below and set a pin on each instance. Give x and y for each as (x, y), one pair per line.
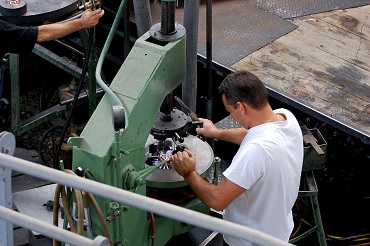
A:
(75, 141)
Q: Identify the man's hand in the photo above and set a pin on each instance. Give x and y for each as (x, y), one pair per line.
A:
(232, 135)
(53, 31)
(90, 18)
(183, 162)
(209, 130)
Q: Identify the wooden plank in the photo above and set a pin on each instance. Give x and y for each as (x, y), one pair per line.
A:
(353, 20)
(336, 72)
(296, 84)
(333, 40)
(365, 8)
(320, 80)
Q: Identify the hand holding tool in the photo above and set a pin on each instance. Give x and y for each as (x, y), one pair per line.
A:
(193, 116)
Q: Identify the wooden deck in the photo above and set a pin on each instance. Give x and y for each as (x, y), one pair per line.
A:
(323, 66)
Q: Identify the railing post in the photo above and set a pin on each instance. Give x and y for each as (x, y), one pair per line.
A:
(6, 227)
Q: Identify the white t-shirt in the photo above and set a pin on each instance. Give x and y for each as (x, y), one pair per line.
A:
(268, 165)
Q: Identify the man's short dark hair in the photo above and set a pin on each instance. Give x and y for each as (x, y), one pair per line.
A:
(243, 86)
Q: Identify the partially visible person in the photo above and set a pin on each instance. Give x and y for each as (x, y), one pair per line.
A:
(261, 185)
(21, 40)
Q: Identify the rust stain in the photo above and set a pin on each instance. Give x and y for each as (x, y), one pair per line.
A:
(302, 94)
(273, 65)
(348, 22)
(322, 75)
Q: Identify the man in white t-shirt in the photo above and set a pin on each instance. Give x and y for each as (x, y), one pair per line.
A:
(261, 184)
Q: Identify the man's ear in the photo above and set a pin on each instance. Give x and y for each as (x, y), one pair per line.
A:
(243, 107)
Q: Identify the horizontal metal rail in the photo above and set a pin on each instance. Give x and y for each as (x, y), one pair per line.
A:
(142, 202)
(44, 228)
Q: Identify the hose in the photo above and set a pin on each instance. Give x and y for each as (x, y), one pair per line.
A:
(100, 216)
(80, 205)
(60, 190)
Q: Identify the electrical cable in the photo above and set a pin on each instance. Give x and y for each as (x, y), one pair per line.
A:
(297, 230)
(75, 99)
(357, 240)
(41, 144)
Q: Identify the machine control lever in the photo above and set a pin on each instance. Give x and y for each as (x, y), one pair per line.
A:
(132, 179)
(192, 115)
(178, 137)
(197, 123)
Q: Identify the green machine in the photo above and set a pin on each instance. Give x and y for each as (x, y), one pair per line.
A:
(128, 145)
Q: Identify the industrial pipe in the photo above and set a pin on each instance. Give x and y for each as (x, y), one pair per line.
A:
(143, 18)
(108, 91)
(142, 202)
(209, 102)
(191, 20)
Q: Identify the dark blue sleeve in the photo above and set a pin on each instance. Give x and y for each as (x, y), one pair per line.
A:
(16, 39)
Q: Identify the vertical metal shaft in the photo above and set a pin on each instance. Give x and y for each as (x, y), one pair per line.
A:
(209, 102)
(168, 17)
(167, 107)
(191, 20)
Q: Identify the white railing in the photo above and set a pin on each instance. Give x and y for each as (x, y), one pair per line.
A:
(132, 199)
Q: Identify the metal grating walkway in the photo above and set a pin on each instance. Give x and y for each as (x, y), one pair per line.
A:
(239, 29)
(294, 8)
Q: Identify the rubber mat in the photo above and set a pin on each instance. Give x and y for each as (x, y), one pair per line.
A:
(294, 8)
(238, 28)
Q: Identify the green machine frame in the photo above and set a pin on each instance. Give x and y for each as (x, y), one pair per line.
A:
(152, 70)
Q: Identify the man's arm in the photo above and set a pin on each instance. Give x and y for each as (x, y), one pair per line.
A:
(210, 130)
(218, 196)
(53, 31)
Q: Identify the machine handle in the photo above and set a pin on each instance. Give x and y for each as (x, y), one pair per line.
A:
(147, 171)
(192, 115)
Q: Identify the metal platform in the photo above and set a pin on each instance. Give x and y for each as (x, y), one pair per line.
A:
(239, 28)
(32, 202)
(295, 8)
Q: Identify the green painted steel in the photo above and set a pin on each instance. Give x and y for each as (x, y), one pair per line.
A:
(149, 73)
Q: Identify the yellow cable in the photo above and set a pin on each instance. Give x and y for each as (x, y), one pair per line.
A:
(297, 230)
